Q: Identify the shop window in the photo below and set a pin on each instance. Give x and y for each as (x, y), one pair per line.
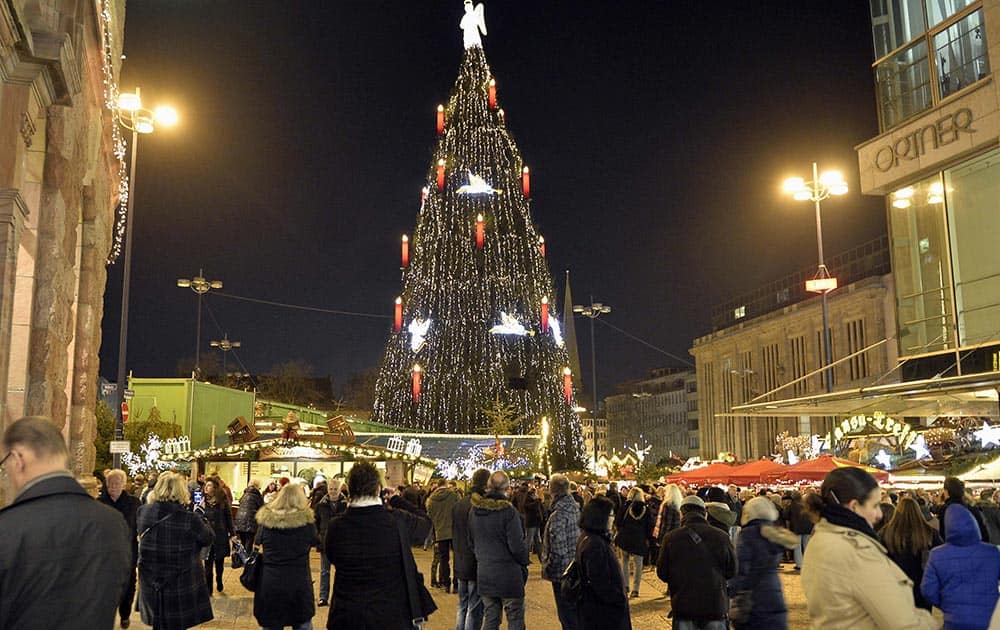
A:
(960, 54)
(903, 84)
(972, 193)
(920, 263)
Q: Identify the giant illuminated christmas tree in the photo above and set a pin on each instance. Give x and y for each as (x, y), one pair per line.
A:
(473, 330)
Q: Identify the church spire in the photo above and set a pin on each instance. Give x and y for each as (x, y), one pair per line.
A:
(569, 333)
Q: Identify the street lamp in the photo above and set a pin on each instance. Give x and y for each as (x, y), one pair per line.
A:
(201, 286)
(593, 311)
(821, 187)
(225, 345)
(138, 120)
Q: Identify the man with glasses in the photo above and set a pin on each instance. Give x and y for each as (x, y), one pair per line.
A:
(64, 558)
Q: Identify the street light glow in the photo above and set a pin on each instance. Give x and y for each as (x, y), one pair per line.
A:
(793, 185)
(165, 115)
(129, 102)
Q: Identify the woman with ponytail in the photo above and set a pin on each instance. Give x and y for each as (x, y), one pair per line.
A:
(847, 576)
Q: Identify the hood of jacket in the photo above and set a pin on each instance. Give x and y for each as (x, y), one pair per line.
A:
(489, 503)
(721, 513)
(284, 519)
(961, 526)
(441, 494)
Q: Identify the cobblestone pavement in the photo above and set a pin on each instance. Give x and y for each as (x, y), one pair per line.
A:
(234, 607)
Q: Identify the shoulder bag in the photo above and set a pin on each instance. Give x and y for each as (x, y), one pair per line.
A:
(253, 566)
(421, 602)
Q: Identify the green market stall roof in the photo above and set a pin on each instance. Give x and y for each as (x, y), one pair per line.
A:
(279, 448)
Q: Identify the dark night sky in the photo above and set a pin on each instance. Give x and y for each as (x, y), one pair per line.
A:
(657, 133)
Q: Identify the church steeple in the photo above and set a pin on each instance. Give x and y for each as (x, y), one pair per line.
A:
(569, 334)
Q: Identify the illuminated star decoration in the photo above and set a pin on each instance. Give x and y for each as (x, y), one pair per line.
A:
(476, 186)
(509, 326)
(919, 448)
(884, 459)
(818, 444)
(556, 331)
(418, 332)
(988, 435)
(792, 458)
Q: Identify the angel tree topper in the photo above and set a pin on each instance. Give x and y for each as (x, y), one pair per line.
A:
(472, 23)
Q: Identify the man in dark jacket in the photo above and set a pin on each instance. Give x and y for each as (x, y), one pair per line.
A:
(954, 489)
(64, 557)
(990, 512)
(126, 505)
(801, 525)
(501, 555)
(695, 562)
(440, 504)
(332, 504)
(470, 603)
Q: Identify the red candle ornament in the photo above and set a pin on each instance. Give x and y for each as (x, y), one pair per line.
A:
(493, 94)
(526, 182)
(440, 174)
(568, 385)
(545, 314)
(416, 382)
(480, 232)
(541, 245)
(440, 119)
(398, 316)
(406, 250)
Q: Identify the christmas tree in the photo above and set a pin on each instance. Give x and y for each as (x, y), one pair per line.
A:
(472, 327)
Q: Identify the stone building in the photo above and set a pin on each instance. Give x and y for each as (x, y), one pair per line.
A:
(60, 167)
(658, 411)
(771, 337)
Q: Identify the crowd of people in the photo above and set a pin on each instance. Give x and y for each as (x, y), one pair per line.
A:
(868, 557)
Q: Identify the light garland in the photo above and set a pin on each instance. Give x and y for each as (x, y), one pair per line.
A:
(117, 141)
(242, 449)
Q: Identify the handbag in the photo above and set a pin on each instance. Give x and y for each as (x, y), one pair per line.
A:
(421, 602)
(253, 566)
(740, 606)
(239, 555)
(571, 583)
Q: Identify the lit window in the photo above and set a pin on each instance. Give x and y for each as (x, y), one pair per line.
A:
(740, 312)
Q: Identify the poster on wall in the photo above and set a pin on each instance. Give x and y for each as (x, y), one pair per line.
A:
(395, 473)
(422, 473)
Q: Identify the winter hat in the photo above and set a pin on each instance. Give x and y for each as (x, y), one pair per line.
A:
(715, 495)
(693, 502)
(596, 515)
(759, 508)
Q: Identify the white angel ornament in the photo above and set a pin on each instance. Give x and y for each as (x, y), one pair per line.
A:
(473, 22)
(476, 186)
(418, 333)
(509, 326)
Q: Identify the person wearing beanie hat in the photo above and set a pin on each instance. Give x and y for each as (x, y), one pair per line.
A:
(695, 561)
(759, 550)
(603, 604)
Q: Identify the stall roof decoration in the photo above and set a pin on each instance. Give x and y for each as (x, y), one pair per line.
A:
(238, 451)
(452, 447)
(817, 469)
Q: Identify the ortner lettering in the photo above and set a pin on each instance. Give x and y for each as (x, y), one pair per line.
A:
(941, 132)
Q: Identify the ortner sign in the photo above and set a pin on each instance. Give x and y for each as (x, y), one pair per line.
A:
(915, 144)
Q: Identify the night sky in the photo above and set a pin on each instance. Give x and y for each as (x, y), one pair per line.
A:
(657, 134)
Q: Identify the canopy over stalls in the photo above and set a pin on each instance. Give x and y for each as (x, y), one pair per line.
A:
(754, 472)
(817, 469)
(987, 472)
(712, 473)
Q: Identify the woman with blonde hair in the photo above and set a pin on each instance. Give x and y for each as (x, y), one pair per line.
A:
(909, 540)
(173, 594)
(284, 596)
(634, 527)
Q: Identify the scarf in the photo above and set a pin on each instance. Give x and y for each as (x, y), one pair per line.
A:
(839, 515)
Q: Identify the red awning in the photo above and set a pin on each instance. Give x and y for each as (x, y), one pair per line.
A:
(817, 469)
(707, 474)
(754, 472)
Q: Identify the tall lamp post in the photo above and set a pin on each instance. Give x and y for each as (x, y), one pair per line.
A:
(201, 286)
(593, 311)
(821, 187)
(138, 120)
(225, 345)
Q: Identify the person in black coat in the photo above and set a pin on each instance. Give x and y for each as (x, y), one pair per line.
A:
(284, 596)
(215, 509)
(369, 588)
(801, 525)
(128, 506)
(695, 561)
(603, 604)
(173, 594)
(470, 603)
(909, 538)
(634, 529)
(759, 549)
(64, 557)
(954, 489)
(246, 515)
(534, 520)
(332, 504)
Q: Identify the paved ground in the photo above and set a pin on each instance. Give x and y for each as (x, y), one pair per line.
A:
(234, 607)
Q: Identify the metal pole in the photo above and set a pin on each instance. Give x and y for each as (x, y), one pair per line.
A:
(593, 373)
(225, 378)
(126, 279)
(827, 342)
(197, 339)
